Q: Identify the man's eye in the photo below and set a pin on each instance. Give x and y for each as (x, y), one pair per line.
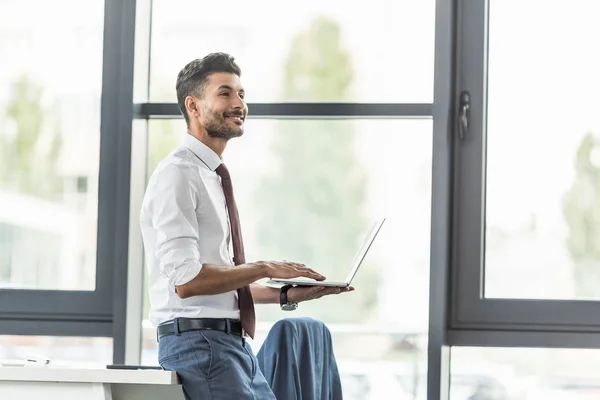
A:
(225, 94)
(242, 96)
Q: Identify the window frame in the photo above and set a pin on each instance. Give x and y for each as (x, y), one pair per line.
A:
(460, 315)
(99, 312)
(439, 110)
(476, 320)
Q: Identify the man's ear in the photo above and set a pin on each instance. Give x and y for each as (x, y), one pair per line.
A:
(192, 105)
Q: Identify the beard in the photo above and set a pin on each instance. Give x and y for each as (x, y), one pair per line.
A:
(218, 126)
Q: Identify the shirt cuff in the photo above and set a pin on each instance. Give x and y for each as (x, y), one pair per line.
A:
(185, 274)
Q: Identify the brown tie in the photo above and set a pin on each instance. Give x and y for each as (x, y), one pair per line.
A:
(245, 302)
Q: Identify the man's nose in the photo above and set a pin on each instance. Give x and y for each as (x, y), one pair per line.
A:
(238, 102)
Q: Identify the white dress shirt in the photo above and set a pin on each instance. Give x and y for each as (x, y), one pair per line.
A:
(184, 225)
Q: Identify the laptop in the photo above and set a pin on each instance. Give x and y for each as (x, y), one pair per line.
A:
(302, 281)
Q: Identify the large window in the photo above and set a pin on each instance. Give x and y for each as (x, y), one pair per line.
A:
(543, 151)
(81, 352)
(524, 373)
(526, 253)
(65, 120)
(471, 125)
(381, 53)
(50, 85)
(309, 190)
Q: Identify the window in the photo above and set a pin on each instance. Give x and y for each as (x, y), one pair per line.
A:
(524, 373)
(543, 151)
(526, 172)
(308, 190)
(384, 51)
(79, 352)
(49, 65)
(65, 124)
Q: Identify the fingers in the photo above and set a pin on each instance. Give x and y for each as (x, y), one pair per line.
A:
(302, 270)
(334, 290)
(309, 273)
(289, 269)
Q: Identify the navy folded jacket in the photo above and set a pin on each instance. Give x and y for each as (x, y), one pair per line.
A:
(298, 362)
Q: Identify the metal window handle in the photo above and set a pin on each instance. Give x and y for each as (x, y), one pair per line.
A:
(464, 114)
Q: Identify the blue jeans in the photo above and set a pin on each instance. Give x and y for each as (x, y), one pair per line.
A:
(214, 365)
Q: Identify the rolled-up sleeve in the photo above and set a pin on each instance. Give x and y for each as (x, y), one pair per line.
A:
(174, 198)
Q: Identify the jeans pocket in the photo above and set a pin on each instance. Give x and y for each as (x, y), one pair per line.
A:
(252, 360)
(202, 350)
(166, 362)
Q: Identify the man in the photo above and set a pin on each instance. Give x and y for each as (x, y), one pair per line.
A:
(202, 290)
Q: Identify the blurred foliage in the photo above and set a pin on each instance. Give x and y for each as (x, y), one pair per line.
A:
(311, 203)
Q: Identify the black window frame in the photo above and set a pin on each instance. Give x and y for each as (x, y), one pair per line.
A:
(476, 320)
(100, 312)
(460, 314)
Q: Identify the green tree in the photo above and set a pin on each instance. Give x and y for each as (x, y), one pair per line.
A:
(581, 210)
(29, 151)
(164, 135)
(311, 205)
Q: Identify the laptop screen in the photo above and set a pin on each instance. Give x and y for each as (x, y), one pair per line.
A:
(360, 256)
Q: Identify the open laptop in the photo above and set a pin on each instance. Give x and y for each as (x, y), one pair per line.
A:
(357, 262)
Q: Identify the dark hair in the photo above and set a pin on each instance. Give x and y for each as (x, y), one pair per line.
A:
(191, 80)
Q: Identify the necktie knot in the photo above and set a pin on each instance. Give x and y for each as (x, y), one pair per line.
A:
(223, 172)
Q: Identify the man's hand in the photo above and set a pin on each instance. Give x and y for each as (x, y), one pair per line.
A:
(298, 294)
(288, 270)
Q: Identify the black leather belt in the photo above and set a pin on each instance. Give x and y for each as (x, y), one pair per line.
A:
(230, 326)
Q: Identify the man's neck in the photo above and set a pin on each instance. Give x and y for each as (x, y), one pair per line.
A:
(215, 144)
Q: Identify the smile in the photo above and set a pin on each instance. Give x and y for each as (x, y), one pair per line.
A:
(236, 118)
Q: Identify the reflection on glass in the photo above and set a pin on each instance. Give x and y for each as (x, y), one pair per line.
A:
(384, 50)
(61, 351)
(309, 191)
(523, 374)
(543, 168)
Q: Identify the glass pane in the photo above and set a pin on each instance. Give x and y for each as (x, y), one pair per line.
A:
(543, 168)
(342, 48)
(308, 191)
(50, 85)
(524, 374)
(61, 351)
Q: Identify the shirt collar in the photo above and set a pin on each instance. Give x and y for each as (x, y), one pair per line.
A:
(202, 151)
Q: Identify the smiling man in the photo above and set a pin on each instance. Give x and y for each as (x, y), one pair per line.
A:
(202, 290)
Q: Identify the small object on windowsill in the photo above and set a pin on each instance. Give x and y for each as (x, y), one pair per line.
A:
(12, 363)
(133, 367)
(36, 361)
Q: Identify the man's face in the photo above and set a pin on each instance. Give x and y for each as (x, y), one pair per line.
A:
(223, 109)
